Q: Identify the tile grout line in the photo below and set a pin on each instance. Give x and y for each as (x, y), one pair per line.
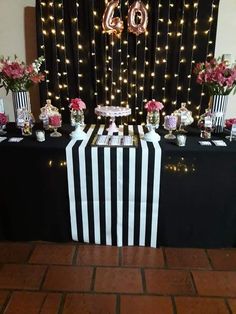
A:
(42, 304)
(92, 286)
(143, 280)
(118, 304)
(209, 260)
(30, 254)
(76, 253)
(62, 303)
(43, 279)
(173, 304)
(193, 283)
(228, 306)
(120, 256)
(165, 258)
(4, 306)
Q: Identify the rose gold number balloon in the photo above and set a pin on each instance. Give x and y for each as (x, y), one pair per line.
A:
(137, 10)
(112, 25)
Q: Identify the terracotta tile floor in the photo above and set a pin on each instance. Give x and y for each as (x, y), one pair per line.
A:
(49, 278)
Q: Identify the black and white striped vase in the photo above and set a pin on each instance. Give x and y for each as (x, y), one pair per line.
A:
(20, 100)
(218, 105)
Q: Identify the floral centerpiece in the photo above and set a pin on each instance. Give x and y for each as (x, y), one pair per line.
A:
(219, 78)
(17, 76)
(153, 105)
(77, 117)
(153, 119)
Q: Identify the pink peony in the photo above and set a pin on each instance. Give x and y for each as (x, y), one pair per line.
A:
(153, 105)
(77, 104)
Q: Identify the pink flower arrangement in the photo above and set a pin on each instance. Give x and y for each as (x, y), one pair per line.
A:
(17, 76)
(230, 122)
(217, 76)
(3, 119)
(153, 105)
(77, 104)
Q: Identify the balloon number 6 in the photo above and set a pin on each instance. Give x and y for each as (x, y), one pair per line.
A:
(137, 19)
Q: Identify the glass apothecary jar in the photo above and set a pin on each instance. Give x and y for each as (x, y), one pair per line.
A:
(205, 124)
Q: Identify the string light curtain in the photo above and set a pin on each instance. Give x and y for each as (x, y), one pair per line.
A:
(82, 61)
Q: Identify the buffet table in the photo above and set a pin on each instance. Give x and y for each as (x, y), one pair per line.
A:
(197, 192)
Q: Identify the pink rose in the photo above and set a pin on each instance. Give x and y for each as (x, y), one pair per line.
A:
(77, 104)
(153, 105)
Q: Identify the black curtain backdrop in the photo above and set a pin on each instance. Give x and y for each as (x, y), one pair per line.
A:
(82, 61)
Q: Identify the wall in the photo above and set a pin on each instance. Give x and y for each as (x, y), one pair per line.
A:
(226, 41)
(12, 37)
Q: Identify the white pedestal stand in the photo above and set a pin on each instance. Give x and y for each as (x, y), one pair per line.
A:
(78, 134)
(112, 112)
(152, 136)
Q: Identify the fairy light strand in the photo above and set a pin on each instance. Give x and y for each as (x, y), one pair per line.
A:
(55, 33)
(66, 65)
(207, 50)
(144, 69)
(43, 45)
(112, 70)
(166, 57)
(94, 54)
(196, 5)
(180, 52)
(156, 50)
(120, 81)
(78, 50)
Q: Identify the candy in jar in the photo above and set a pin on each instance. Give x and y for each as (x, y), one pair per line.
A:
(184, 117)
(205, 124)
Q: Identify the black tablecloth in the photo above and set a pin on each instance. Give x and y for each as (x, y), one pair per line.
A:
(197, 193)
(197, 196)
(34, 192)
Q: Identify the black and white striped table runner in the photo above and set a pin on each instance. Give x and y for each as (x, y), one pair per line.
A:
(114, 191)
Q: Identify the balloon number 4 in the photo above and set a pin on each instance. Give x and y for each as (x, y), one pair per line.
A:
(137, 19)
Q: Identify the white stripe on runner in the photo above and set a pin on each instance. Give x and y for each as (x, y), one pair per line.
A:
(71, 189)
(156, 192)
(119, 165)
(107, 186)
(144, 181)
(83, 185)
(95, 183)
(132, 161)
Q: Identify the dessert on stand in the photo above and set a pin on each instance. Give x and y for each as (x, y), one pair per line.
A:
(112, 112)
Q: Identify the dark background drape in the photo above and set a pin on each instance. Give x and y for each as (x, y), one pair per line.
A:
(82, 61)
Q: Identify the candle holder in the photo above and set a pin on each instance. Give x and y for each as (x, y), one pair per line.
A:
(153, 120)
(77, 120)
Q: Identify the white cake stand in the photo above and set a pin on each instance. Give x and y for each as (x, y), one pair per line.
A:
(112, 112)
